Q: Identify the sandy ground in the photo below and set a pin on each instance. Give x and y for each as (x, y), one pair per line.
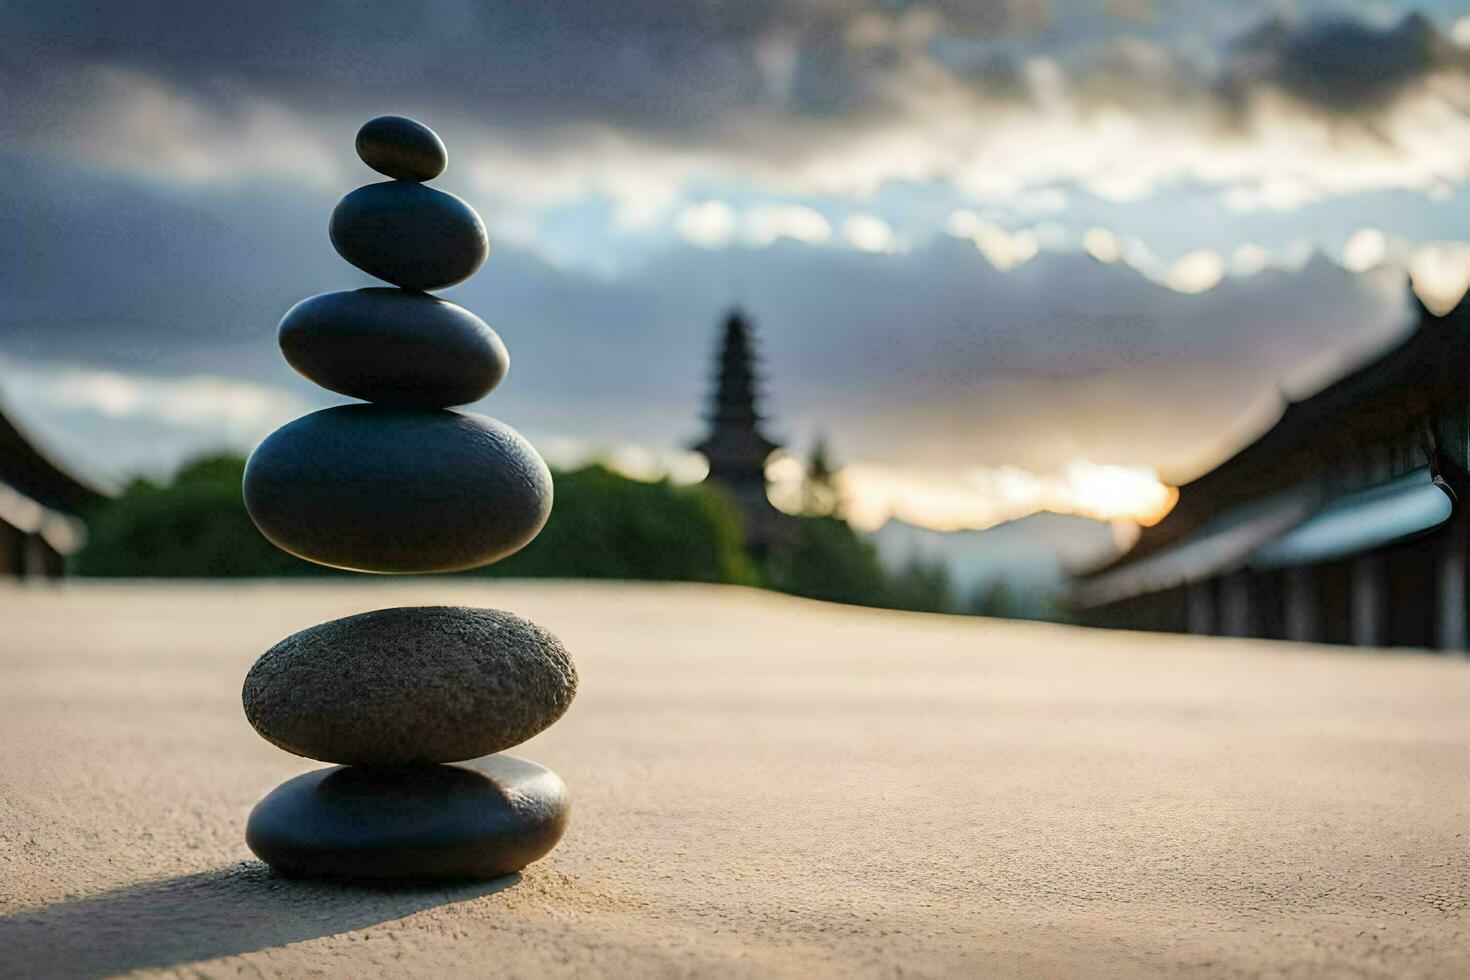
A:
(761, 786)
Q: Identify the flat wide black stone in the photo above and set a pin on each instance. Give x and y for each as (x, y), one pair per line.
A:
(479, 819)
(409, 234)
(394, 347)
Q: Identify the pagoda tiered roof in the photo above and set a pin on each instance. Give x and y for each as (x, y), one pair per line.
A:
(735, 437)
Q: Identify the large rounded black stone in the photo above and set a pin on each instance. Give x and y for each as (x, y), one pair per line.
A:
(394, 347)
(380, 489)
(478, 820)
(409, 686)
(410, 235)
(401, 148)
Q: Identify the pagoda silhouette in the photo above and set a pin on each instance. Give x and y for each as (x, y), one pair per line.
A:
(735, 446)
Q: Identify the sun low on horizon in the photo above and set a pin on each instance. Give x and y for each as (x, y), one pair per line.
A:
(981, 498)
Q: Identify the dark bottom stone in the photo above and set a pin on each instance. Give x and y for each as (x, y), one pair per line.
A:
(476, 819)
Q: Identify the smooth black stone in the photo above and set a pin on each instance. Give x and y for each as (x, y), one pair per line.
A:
(380, 489)
(409, 686)
(478, 820)
(410, 235)
(394, 347)
(401, 148)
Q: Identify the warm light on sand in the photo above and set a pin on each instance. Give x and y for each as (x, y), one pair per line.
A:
(983, 496)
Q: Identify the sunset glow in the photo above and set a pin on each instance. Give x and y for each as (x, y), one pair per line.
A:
(982, 497)
(1049, 237)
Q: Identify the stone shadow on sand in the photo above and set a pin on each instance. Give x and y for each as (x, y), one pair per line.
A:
(223, 912)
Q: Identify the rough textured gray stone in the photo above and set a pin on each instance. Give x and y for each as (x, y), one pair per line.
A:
(394, 347)
(410, 235)
(479, 820)
(410, 685)
(401, 148)
(380, 489)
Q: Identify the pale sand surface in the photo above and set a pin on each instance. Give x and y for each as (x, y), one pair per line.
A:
(761, 786)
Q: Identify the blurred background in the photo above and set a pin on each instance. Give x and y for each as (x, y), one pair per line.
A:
(986, 281)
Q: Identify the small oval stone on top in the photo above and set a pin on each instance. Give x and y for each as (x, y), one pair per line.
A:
(401, 148)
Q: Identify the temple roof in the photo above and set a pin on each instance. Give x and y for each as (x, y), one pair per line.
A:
(734, 437)
(1428, 368)
(29, 472)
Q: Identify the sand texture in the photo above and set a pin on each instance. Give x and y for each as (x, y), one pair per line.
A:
(760, 786)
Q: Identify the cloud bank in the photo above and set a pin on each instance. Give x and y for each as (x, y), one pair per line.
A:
(974, 236)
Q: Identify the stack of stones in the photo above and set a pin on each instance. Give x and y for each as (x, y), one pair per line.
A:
(403, 484)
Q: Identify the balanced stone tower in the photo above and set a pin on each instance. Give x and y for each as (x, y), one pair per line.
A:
(403, 484)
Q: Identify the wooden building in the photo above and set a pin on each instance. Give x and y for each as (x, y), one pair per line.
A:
(41, 509)
(736, 445)
(1342, 523)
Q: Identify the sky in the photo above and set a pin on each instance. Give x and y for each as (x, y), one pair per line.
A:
(1002, 255)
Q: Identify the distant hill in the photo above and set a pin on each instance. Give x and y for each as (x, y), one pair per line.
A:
(1031, 555)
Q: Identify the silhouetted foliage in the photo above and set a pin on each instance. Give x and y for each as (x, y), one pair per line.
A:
(830, 561)
(193, 526)
(922, 586)
(994, 599)
(820, 495)
(604, 525)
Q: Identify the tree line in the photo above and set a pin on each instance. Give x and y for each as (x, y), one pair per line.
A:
(603, 525)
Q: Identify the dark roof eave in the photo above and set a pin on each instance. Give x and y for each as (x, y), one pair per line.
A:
(1438, 349)
(31, 473)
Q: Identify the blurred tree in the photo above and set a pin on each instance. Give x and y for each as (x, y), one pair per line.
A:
(994, 599)
(922, 586)
(831, 560)
(828, 560)
(605, 525)
(194, 526)
(820, 495)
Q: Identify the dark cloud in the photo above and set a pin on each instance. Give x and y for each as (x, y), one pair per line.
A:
(989, 17)
(642, 61)
(929, 355)
(1341, 64)
(648, 63)
(109, 271)
(998, 74)
(926, 357)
